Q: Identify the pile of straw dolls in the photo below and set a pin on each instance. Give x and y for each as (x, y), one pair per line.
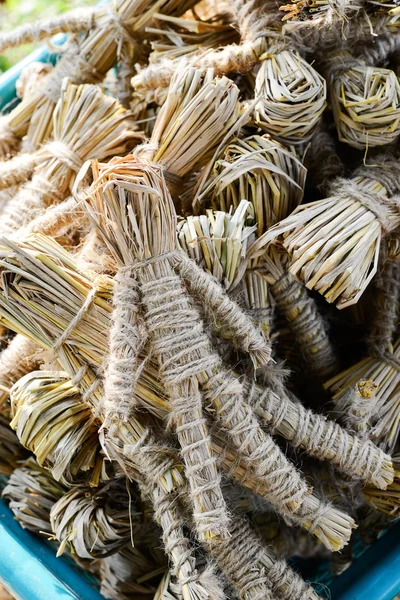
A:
(200, 277)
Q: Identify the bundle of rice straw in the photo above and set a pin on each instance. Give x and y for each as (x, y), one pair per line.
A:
(322, 13)
(87, 124)
(96, 523)
(291, 94)
(132, 445)
(261, 171)
(11, 451)
(333, 244)
(365, 100)
(110, 29)
(31, 492)
(53, 422)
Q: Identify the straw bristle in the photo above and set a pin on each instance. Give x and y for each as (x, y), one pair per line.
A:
(95, 524)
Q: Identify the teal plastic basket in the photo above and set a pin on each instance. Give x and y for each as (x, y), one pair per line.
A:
(30, 570)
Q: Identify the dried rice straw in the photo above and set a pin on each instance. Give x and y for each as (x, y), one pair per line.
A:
(51, 419)
(129, 572)
(301, 311)
(95, 523)
(20, 357)
(86, 60)
(11, 451)
(134, 446)
(333, 244)
(31, 492)
(365, 101)
(285, 416)
(87, 124)
(259, 170)
(219, 388)
(387, 501)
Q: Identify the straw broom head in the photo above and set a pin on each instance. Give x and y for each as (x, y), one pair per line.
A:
(199, 111)
(333, 244)
(387, 501)
(53, 421)
(31, 492)
(261, 171)
(377, 381)
(291, 97)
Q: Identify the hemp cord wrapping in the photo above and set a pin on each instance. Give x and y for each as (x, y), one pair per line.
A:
(178, 342)
(308, 326)
(321, 437)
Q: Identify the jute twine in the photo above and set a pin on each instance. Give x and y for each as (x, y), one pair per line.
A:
(321, 437)
(153, 463)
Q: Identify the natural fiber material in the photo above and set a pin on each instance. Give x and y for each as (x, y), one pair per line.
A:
(259, 170)
(129, 572)
(217, 241)
(333, 244)
(162, 297)
(172, 320)
(129, 443)
(386, 501)
(80, 19)
(254, 571)
(87, 124)
(198, 113)
(321, 437)
(382, 376)
(365, 101)
(305, 320)
(53, 422)
(11, 451)
(293, 97)
(324, 164)
(386, 301)
(31, 492)
(86, 60)
(91, 350)
(20, 357)
(95, 523)
(323, 14)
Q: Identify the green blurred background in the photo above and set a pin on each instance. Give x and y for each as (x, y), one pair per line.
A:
(18, 12)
